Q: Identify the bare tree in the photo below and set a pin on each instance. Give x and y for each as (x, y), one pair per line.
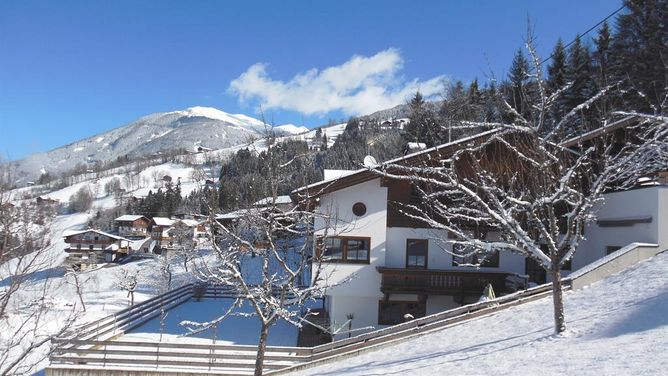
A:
(267, 259)
(29, 319)
(82, 200)
(524, 187)
(127, 280)
(74, 278)
(182, 239)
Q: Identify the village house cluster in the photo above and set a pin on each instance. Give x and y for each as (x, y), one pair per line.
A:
(135, 236)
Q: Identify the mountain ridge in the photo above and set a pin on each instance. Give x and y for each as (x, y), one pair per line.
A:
(150, 134)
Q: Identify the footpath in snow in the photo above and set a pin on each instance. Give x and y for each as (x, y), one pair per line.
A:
(618, 326)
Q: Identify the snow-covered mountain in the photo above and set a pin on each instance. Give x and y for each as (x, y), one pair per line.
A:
(187, 129)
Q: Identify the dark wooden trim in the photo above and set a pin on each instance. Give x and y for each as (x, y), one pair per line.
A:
(439, 282)
(344, 250)
(623, 222)
(426, 254)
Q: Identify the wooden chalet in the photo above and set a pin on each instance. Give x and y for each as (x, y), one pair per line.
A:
(133, 226)
(88, 248)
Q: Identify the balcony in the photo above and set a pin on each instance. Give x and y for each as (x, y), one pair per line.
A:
(439, 282)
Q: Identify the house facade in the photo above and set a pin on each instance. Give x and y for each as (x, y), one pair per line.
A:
(385, 268)
(88, 248)
(134, 226)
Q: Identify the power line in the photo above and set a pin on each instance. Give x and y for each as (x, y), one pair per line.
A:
(586, 32)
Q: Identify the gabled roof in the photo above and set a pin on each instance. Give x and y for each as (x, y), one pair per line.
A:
(366, 174)
(129, 217)
(163, 221)
(606, 129)
(280, 200)
(70, 233)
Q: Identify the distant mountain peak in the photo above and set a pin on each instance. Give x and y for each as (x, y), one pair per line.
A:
(216, 114)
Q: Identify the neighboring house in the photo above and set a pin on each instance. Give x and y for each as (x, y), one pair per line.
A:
(91, 247)
(398, 267)
(134, 226)
(283, 203)
(159, 231)
(44, 200)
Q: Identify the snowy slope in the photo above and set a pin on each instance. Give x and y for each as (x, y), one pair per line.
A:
(618, 326)
(187, 129)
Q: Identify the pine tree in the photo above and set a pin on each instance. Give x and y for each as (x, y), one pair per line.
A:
(423, 125)
(557, 69)
(640, 53)
(518, 78)
(579, 75)
(602, 55)
(556, 79)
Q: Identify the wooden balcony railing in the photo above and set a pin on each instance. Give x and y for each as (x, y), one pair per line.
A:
(91, 241)
(439, 282)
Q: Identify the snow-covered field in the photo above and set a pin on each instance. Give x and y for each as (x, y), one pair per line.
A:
(238, 330)
(618, 326)
(50, 287)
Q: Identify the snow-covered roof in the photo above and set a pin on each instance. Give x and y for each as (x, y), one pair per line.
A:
(629, 120)
(239, 213)
(70, 233)
(139, 244)
(279, 200)
(163, 221)
(129, 217)
(188, 222)
(335, 174)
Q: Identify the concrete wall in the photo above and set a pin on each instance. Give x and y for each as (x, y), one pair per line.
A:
(613, 263)
(650, 201)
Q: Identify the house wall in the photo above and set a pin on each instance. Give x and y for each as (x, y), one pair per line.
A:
(364, 309)
(360, 294)
(438, 256)
(650, 201)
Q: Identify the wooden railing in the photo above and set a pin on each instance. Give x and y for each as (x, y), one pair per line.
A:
(445, 282)
(95, 343)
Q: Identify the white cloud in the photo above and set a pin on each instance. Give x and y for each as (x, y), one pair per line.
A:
(359, 86)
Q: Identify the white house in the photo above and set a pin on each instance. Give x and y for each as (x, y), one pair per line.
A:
(398, 267)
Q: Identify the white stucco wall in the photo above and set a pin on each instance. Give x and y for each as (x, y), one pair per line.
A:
(651, 201)
(438, 258)
(364, 309)
(359, 295)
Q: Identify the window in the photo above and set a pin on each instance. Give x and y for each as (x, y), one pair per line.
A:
(611, 249)
(90, 247)
(567, 265)
(346, 249)
(392, 313)
(416, 253)
(461, 258)
(359, 209)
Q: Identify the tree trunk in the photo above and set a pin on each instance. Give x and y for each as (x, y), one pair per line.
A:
(557, 298)
(261, 347)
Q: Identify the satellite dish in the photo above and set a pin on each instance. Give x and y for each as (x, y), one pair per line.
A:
(370, 162)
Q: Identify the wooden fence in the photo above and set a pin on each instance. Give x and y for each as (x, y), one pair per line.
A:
(94, 346)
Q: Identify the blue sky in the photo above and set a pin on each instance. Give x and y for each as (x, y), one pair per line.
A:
(72, 69)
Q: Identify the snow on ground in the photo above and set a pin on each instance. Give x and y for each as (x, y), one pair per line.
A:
(237, 330)
(52, 287)
(140, 185)
(618, 326)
